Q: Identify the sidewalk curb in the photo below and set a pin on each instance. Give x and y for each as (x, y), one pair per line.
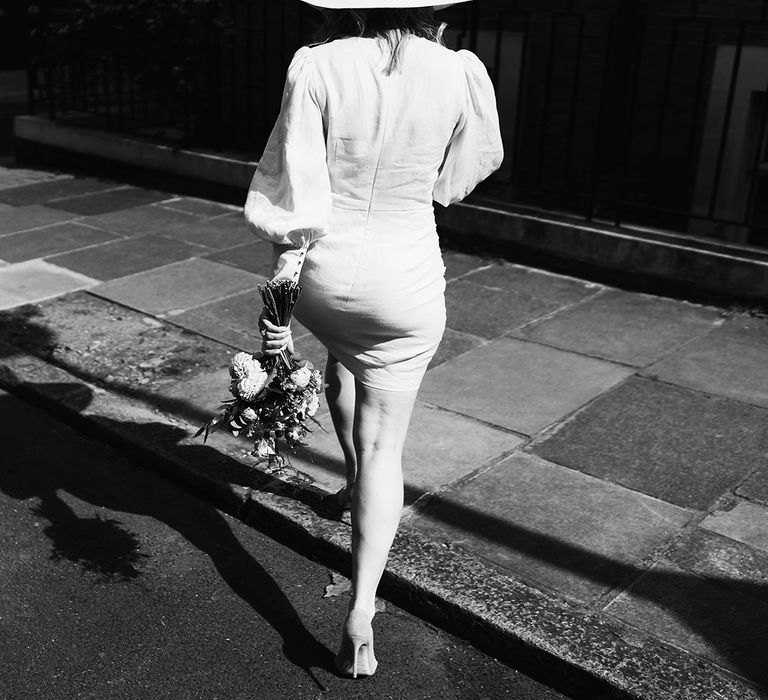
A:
(576, 652)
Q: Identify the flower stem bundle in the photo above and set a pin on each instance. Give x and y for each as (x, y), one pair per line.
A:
(279, 299)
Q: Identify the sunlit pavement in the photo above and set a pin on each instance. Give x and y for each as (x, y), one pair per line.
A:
(602, 449)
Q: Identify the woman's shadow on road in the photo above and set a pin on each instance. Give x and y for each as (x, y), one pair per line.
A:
(39, 465)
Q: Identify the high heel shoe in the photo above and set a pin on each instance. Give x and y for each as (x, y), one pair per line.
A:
(343, 497)
(357, 643)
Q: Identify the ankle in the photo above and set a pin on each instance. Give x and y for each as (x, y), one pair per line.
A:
(364, 611)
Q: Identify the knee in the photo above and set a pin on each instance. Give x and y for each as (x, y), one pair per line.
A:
(382, 448)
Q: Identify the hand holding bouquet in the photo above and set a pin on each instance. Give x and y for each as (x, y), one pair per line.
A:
(274, 394)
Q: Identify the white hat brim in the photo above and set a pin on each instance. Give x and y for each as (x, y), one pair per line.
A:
(371, 4)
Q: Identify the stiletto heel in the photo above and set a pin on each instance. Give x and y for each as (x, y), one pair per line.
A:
(343, 497)
(358, 634)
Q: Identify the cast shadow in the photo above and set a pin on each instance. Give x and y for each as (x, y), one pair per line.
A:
(705, 605)
(724, 612)
(104, 548)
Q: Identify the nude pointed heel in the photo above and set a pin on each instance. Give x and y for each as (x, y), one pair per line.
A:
(357, 639)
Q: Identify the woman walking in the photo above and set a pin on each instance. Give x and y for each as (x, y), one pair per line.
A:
(377, 120)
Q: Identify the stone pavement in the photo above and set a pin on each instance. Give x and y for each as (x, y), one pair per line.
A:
(586, 472)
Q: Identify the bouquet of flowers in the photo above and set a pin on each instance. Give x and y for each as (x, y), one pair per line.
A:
(274, 397)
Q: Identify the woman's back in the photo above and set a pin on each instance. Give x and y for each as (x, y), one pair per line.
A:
(386, 133)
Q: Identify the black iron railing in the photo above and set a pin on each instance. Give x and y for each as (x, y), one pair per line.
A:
(633, 113)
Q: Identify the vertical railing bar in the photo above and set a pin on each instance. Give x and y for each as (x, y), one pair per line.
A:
(497, 49)
(574, 101)
(759, 150)
(547, 98)
(265, 80)
(475, 26)
(120, 104)
(514, 167)
(697, 114)
(218, 129)
(727, 120)
(234, 77)
(609, 43)
(249, 87)
(666, 86)
(630, 120)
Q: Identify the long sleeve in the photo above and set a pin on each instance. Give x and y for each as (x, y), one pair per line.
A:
(289, 200)
(475, 149)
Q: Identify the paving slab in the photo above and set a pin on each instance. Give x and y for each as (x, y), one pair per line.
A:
(121, 258)
(519, 385)
(746, 522)
(553, 526)
(482, 311)
(15, 176)
(233, 320)
(141, 220)
(459, 264)
(110, 344)
(255, 256)
(112, 200)
(455, 447)
(59, 188)
(535, 283)
(16, 219)
(200, 207)
(35, 280)
(673, 443)
(174, 288)
(724, 561)
(700, 616)
(49, 240)
(730, 360)
(756, 486)
(222, 232)
(454, 344)
(635, 329)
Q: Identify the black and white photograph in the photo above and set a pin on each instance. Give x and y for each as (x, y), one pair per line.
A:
(372, 349)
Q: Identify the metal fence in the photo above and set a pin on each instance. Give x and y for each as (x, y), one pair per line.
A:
(637, 113)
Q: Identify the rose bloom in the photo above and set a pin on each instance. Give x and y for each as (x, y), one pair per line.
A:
(300, 377)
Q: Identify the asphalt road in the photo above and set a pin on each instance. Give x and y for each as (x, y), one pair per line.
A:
(115, 583)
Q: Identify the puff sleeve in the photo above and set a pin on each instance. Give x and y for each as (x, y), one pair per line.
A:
(289, 199)
(475, 149)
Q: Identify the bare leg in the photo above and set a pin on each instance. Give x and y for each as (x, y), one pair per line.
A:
(340, 394)
(380, 427)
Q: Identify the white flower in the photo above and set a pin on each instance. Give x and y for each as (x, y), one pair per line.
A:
(240, 365)
(300, 377)
(294, 434)
(249, 415)
(250, 386)
(313, 405)
(264, 448)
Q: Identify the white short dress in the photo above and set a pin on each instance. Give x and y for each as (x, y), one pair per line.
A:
(348, 180)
